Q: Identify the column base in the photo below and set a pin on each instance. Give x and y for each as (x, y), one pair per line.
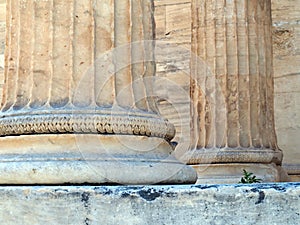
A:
(232, 173)
(90, 158)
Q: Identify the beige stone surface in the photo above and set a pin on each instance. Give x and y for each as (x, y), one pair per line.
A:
(2, 42)
(147, 205)
(80, 59)
(232, 97)
(87, 158)
(173, 63)
(286, 52)
(90, 72)
(286, 39)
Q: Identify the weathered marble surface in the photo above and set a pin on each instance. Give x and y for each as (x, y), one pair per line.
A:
(2, 43)
(87, 158)
(83, 67)
(88, 205)
(232, 106)
(173, 24)
(286, 40)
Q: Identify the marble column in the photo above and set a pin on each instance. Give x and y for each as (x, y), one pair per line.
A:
(232, 91)
(78, 104)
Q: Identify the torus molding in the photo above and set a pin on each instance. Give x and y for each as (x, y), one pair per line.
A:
(83, 122)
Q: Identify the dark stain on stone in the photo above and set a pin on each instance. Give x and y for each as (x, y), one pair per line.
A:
(97, 189)
(276, 187)
(103, 190)
(129, 188)
(261, 198)
(173, 194)
(108, 192)
(150, 194)
(127, 191)
(87, 221)
(125, 195)
(255, 190)
(203, 187)
(85, 197)
(279, 188)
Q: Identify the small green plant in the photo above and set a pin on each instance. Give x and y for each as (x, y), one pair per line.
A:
(249, 178)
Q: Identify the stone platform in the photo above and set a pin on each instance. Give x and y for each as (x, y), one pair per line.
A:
(266, 204)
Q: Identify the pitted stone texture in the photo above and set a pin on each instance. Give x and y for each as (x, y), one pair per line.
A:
(235, 205)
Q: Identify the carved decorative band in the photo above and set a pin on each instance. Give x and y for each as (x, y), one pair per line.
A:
(86, 123)
(238, 155)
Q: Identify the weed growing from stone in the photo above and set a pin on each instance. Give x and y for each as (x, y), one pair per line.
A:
(249, 178)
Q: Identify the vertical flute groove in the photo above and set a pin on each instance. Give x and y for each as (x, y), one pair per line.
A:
(83, 74)
(71, 43)
(248, 58)
(243, 71)
(52, 51)
(270, 82)
(210, 89)
(93, 54)
(104, 31)
(42, 54)
(138, 55)
(220, 70)
(201, 78)
(11, 71)
(232, 86)
(62, 53)
(266, 138)
(195, 124)
(24, 56)
(262, 72)
(254, 74)
(7, 52)
(149, 37)
(122, 56)
(206, 104)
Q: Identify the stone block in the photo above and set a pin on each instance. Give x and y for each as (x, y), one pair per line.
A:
(258, 204)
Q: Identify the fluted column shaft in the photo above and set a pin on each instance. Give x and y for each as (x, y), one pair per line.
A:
(63, 56)
(55, 42)
(233, 96)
